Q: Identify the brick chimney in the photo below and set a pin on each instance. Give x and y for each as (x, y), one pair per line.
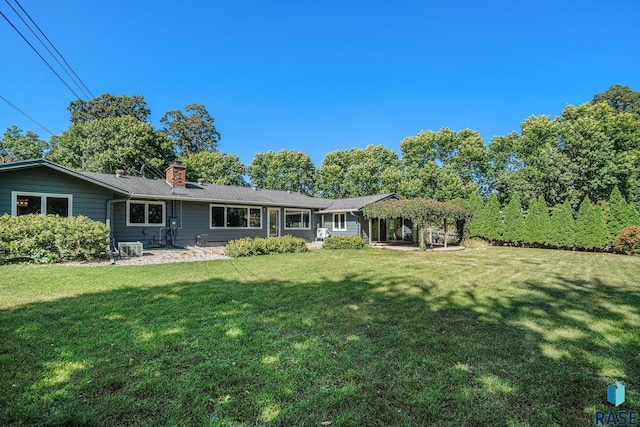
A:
(176, 174)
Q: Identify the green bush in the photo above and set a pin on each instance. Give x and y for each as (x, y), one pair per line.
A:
(628, 240)
(259, 246)
(344, 242)
(51, 238)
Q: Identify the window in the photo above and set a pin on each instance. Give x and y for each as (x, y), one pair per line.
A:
(145, 213)
(24, 203)
(297, 219)
(235, 217)
(340, 222)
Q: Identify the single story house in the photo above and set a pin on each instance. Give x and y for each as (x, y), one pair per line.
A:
(174, 211)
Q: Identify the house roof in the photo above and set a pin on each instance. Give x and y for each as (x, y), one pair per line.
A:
(356, 203)
(145, 188)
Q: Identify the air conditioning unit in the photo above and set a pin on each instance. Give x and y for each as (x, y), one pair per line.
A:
(130, 248)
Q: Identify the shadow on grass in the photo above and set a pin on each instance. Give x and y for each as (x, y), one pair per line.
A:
(362, 350)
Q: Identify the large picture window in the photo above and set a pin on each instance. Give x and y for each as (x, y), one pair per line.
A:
(235, 217)
(298, 219)
(140, 212)
(25, 203)
(340, 222)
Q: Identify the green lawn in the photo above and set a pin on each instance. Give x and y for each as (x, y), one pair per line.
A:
(497, 336)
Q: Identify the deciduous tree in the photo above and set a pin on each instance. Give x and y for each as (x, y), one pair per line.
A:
(18, 145)
(107, 105)
(356, 172)
(285, 170)
(216, 168)
(192, 132)
(113, 143)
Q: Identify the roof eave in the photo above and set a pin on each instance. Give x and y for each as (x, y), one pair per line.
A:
(42, 162)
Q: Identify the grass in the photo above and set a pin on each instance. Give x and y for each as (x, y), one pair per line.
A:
(499, 336)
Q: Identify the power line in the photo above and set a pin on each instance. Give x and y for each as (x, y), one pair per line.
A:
(45, 46)
(54, 48)
(28, 116)
(38, 53)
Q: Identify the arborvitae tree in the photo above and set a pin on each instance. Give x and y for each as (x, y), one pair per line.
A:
(634, 216)
(513, 220)
(529, 235)
(475, 224)
(563, 227)
(619, 213)
(591, 230)
(544, 232)
(537, 225)
(493, 226)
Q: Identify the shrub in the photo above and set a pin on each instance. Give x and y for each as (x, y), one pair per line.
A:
(628, 240)
(51, 238)
(259, 246)
(344, 242)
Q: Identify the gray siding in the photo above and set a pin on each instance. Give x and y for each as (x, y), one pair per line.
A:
(88, 199)
(193, 221)
(353, 225)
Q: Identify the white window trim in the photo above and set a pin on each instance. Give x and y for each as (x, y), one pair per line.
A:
(225, 217)
(146, 213)
(43, 204)
(302, 212)
(336, 222)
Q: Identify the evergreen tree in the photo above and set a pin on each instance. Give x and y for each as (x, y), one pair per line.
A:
(619, 213)
(563, 227)
(537, 225)
(634, 216)
(591, 230)
(493, 226)
(544, 222)
(513, 220)
(529, 234)
(475, 223)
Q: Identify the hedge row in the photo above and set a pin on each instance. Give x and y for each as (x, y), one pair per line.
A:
(343, 242)
(259, 246)
(51, 238)
(594, 228)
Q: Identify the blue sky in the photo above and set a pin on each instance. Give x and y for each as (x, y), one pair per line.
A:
(323, 76)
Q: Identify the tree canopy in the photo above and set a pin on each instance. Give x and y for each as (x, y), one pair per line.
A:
(113, 143)
(621, 98)
(106, 106)
(285, 170)
(193, 131)
(358, 172)
(215, 168)
(18, 145)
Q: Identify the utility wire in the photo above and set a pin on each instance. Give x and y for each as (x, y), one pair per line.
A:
(54, 48)
(28, 116)
(45, 46)
(38, 53)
